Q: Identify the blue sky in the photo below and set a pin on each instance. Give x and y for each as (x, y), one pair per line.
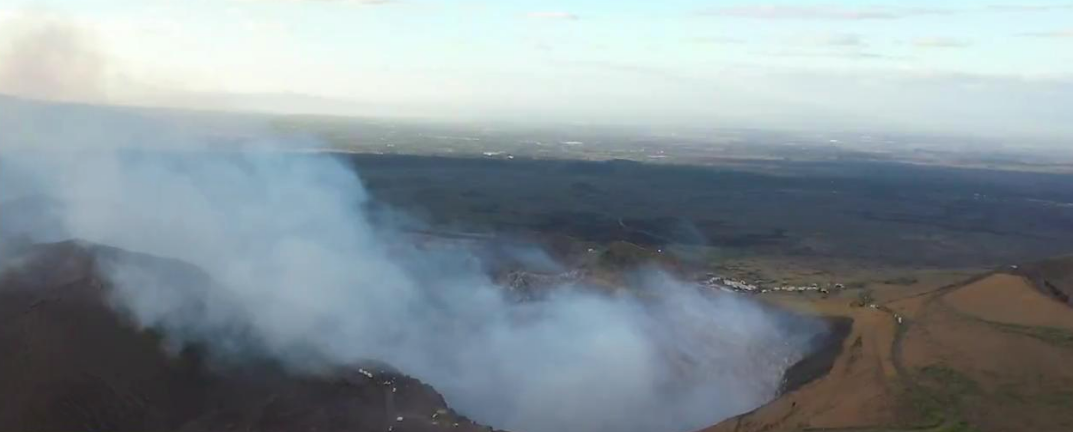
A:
(785, 62)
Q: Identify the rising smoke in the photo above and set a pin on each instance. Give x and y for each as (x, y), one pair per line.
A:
(49, 58)
(294, 261)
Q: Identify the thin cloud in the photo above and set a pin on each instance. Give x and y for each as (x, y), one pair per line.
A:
(631, 69)
(833, 40)
(565, 16)
(939, 42)
(1029, 7)
(357, 2)
(848, 55)
(784, 12)
(843, 46)
(1057, 34)
(718, 40)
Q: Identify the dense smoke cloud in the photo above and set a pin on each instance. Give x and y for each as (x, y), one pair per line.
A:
(295, 269)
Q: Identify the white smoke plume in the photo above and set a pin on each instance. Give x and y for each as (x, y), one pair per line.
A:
(300, 273)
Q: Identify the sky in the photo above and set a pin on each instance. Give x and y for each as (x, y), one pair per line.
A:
(998, 68)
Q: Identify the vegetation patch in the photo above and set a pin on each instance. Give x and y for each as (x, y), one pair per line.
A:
(904, 280)
(1055, 336)
(922, 407)
(1061, 399)
(938, 398)
(959, 426)
(949, 384)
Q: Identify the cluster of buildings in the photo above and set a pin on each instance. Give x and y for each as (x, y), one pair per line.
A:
(735, 285)
(812, 287)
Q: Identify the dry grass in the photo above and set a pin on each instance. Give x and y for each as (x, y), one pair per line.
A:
(987, 356)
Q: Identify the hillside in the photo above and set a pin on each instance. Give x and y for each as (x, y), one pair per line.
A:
(69, 362)
(986, 354)
(1053, 276)
(989, 354)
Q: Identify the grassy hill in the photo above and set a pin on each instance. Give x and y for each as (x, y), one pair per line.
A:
(988, 354)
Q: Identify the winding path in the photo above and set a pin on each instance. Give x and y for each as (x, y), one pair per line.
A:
(901, 327)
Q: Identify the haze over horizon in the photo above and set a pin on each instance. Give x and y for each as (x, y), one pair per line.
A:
(963, 67)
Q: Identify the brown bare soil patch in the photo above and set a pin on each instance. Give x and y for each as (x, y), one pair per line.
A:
(855, 392)
(986, 355)
(994, 376)
(1010, 299)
